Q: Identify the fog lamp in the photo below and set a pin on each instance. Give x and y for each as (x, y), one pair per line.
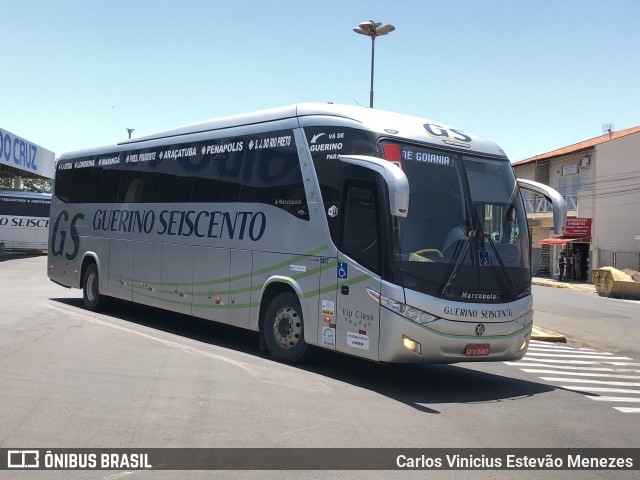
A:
(411, 344)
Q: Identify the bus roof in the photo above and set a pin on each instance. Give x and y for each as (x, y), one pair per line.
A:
(394, 125)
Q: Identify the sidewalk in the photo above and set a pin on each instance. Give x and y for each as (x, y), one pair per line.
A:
(572, 284)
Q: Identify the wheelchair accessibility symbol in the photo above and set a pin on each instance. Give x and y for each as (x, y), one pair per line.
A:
(343, 271)
(483, 259)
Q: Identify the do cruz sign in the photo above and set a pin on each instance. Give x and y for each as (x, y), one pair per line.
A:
(24, 155)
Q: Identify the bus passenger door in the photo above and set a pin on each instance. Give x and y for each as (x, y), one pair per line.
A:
(358, 312)
(358, 306)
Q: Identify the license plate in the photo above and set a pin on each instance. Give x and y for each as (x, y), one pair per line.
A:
(477, 350)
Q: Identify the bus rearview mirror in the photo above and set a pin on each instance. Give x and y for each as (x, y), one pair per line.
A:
(394, 177)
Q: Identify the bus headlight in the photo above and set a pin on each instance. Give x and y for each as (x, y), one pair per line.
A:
(412, 313)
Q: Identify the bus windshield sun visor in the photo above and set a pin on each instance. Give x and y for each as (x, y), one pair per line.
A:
(394, 177)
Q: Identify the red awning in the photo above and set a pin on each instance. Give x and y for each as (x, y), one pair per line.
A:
(560, 241)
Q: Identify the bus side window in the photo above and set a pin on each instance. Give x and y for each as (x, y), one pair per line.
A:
(135, 187)
(63, 186)
(360, 230)
(172, 188)
(219, 181)
(272, 176)
(105, 186)
(82, 183)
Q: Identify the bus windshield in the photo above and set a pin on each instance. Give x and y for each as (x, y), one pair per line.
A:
(466, 234)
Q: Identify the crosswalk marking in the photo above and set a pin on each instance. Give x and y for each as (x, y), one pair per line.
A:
(579, 362)
(616, 399)
(600, 376)
(524, 363)
(541, 348)
(583, 374)
(599, 389)
(628, 409)
(584, 380)
(562, 355)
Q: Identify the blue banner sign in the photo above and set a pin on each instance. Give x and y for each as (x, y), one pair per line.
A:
(19, 153)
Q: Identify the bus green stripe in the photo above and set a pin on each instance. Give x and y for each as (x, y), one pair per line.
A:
(241, 276)
(314, 293)
(313, 271)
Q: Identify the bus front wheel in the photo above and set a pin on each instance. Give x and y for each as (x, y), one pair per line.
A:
(283, 329)
(93, 300)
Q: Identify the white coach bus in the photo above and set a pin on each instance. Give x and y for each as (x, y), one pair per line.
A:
(24, 220)
(375, 234)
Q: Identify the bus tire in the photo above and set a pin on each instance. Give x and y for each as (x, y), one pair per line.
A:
(93, 300)
(283, 329)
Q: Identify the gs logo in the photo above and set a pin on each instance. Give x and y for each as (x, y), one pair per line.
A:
(59, 235)
(448, 136)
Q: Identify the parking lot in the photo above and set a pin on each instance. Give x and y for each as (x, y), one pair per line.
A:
(138, 377)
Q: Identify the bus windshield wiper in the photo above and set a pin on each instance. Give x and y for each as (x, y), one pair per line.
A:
(492, 244)
(461, 253)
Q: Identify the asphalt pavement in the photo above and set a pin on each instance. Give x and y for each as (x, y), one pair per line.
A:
(541, 333)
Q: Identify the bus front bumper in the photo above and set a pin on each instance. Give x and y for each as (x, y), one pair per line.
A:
(404, 341)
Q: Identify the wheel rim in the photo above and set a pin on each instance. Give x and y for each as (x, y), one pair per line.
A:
(92, 287)
(287, 327)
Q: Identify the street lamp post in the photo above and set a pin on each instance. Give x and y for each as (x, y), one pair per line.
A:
(373, 30)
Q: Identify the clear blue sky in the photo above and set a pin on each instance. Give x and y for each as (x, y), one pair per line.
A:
(532, 76)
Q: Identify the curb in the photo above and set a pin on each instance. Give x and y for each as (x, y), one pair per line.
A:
(587, 287)
(545, 335)
(549, 284)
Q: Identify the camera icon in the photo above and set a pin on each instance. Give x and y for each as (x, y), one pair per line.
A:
(23, 459)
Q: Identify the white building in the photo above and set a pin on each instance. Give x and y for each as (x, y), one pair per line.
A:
(600, 181)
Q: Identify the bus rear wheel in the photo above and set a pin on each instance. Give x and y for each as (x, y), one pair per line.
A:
(283, 329)
(93, 300)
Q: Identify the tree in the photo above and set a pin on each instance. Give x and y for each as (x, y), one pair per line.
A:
(41, 185)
